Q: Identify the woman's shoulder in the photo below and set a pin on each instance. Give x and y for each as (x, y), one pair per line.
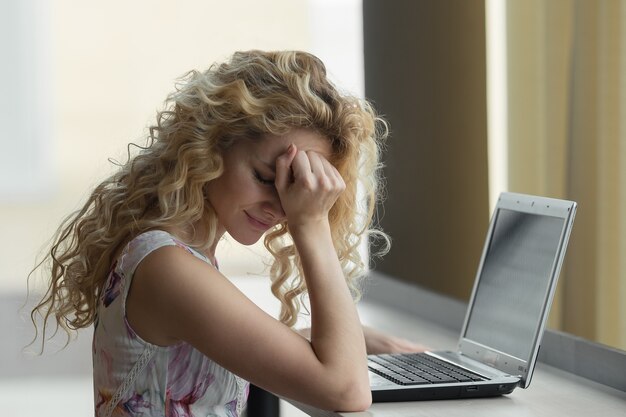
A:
(147, 242)
(152, 238)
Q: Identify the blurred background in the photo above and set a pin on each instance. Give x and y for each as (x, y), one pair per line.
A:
(482, 96)
(79, 81)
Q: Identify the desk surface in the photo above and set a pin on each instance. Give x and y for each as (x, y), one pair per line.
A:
(551, 392)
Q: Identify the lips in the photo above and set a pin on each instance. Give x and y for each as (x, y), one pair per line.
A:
(257, 223)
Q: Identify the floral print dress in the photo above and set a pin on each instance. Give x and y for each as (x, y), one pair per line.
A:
(176, 381)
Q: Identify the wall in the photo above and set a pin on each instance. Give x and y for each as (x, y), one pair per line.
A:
(425, 71)
(111, 66)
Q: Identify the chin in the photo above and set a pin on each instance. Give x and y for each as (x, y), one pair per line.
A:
(250, 242)
(246, 240)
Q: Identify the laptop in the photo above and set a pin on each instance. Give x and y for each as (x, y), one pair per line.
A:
(506, 315)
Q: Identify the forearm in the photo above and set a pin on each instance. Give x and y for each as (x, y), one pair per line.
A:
(336, 332)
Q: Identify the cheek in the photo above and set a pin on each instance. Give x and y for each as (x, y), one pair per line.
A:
(251, 192)
(231, 192)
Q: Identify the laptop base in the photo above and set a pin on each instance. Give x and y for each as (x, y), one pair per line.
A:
(442, 393)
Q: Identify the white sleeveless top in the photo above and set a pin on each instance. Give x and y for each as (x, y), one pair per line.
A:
(178, 380)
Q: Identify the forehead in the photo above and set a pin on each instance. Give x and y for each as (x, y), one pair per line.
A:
(271, 146)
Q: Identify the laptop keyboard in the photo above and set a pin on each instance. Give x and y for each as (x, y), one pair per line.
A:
(419, 368)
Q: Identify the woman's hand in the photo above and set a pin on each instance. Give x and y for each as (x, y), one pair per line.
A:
(308, 186)
(377, 342)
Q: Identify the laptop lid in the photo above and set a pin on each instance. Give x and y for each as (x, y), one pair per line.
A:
(516, 281)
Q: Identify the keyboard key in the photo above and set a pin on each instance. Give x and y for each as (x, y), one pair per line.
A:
(411, 369)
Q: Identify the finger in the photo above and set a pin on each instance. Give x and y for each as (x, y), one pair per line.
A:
(301, 166)
(333, 174)
(317, 164)
(284, 166)
(329, 169)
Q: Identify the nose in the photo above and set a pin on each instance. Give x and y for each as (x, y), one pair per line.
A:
(273, 208)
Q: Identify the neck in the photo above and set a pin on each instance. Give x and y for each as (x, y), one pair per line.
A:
(210, 251)
(185, 234)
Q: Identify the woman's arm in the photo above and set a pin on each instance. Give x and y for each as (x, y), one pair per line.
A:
(308, 186)
(177, 297)
(377, 342)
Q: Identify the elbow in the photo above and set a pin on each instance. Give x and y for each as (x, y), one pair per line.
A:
(353, 397)
(359, 402)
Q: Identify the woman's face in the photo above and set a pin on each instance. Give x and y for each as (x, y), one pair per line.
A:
(244, 197)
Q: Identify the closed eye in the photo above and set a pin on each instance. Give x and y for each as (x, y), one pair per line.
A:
(264, 181)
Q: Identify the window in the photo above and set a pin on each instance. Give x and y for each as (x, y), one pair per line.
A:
(26, 169)
(564, 131)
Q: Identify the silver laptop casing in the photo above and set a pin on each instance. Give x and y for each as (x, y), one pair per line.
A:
(530, 204)
(505, 372)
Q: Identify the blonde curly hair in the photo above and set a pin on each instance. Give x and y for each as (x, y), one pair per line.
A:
(253, 94)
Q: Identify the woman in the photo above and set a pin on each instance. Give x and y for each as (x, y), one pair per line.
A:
(261, 145)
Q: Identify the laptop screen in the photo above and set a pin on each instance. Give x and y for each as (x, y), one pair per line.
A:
(514, 282)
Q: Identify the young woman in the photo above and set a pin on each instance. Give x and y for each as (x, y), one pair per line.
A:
(261, 145)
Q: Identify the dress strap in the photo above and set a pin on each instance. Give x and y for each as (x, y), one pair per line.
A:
(129, 380)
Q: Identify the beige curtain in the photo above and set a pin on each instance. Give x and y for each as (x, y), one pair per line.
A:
(567, 138)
